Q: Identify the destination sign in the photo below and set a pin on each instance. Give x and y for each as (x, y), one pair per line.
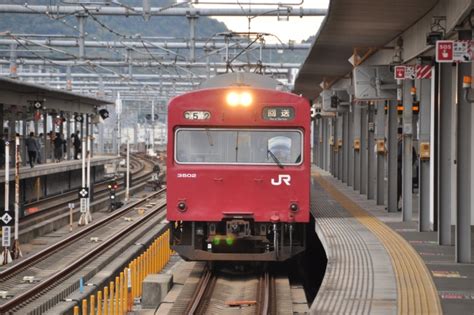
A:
(281, 113)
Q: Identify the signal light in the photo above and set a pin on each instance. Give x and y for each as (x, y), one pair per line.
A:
(216, 240)
(242, 98)
(229, 240)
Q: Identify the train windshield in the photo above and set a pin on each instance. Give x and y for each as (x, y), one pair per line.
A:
(239, 146)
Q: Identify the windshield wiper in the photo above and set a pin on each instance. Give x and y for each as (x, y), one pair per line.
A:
(277, 161)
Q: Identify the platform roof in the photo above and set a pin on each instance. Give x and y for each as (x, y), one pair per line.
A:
(353, 24)
(19, 93)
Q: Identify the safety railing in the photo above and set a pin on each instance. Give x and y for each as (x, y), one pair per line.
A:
(118, 297)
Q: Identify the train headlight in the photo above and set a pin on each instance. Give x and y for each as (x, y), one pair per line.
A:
(294, 207)
(233, 99)
(246, 99)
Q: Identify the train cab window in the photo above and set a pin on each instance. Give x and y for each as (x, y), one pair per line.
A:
(238, 146)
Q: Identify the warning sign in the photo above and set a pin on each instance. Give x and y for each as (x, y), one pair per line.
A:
(400, 73)
(423, 71)
(453, 51)
(405, 73)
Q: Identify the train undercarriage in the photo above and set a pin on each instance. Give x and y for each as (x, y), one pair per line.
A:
(238, 239)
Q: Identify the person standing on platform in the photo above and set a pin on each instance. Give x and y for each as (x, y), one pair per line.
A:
(77, 145)
(40, 141)
(58, 147)
(32, 148)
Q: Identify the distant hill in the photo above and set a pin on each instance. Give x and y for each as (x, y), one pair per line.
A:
(155, 26)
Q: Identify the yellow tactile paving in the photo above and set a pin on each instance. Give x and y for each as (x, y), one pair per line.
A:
(417, 293)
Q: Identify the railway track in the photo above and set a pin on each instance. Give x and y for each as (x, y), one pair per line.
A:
(52, 214)
(50, 205)
(29, 279)
(209, 294)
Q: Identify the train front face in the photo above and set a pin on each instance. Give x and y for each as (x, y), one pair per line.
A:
(238, 174)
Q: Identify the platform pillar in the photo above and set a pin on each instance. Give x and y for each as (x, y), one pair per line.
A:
(364, 174)
(332, 152)
(357, 133)
(2, 120)
(350, 147)
(324, 148)
(424, 200)
(345, 146)
(46, 142)
(407, 151)
(338, 145)
(68, 136)
(315, 141)
(371, 167)
(464, 162)
(380, 156)
(446, 147)
(392, 156)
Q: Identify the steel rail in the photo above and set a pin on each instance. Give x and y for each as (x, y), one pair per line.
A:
(204, 287)
(73, 196)
(29, 261)
(266, 295)
(51, 280)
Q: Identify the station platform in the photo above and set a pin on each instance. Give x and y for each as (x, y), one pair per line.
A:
(52, 179)
(378, 264)
(52, 168)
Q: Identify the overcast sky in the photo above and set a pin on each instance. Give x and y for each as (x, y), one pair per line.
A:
(296, 28)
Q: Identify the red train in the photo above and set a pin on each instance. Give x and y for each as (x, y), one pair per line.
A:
(238, 171)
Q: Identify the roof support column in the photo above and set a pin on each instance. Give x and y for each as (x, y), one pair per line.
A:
(324, 149)
(380, 138)
(338, 146)
(424, 199)
(68, 136)
(2, 121)
(446, 148)
(320, 145)
(46, 141)
(350, 146)
(364, 174)
(315, 141)
(407, 151)
(370, 153)
(464, 163)
(345, 147)
(392, 157)
(332, 153)
(357, 165)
